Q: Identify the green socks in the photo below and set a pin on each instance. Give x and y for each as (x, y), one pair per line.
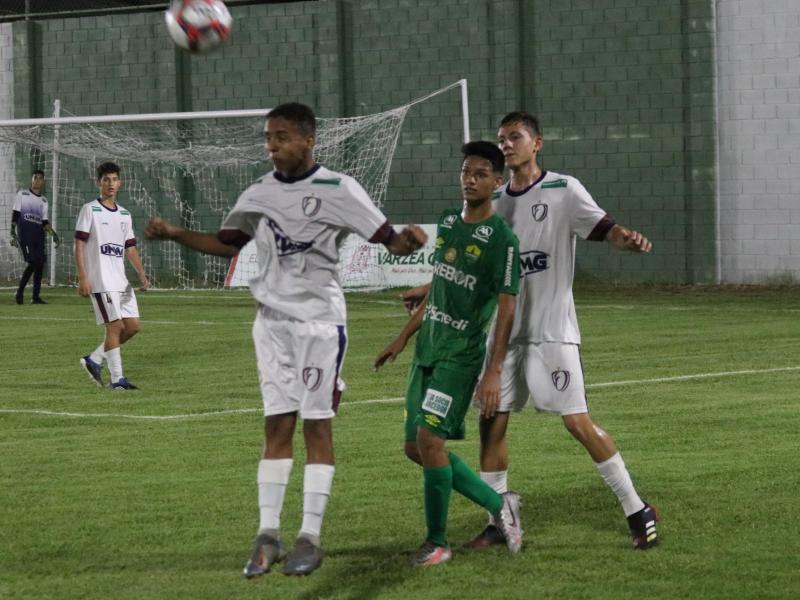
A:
(438, 483)
(467, 483)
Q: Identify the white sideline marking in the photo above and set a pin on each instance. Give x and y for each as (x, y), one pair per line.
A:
(374, 400)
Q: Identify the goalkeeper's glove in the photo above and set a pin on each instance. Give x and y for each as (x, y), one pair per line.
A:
(56, 239)
(14, 238)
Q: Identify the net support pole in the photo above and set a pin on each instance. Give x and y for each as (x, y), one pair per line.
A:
(54, 194)
(465, 108)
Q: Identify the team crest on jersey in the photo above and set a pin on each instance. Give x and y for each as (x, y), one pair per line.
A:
(532, 262)
(312, 378)
(285, 244)
(539, 212)
(124, 227)
(311, 205)
(472, 253)
(450, 255)
(483, 233)
(560, 379)
(448, 221)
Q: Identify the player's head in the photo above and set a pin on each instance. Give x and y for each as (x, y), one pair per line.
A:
(520, 138)
(289, 137)
(481, 171)
(37, 181)
(108, 180)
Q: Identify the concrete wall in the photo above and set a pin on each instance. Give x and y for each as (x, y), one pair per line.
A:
(758, 49)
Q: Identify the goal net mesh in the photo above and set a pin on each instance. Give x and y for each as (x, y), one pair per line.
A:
(187, 171)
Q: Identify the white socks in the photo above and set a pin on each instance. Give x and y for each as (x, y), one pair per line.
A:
(99, 354)
(114, 359)
(616, 476)
(498, 481)
(316, 489)
(273, 477)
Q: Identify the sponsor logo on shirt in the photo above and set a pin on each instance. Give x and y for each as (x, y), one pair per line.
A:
(32, 218)
(509, 266)
(533, 262)
(448, 221)
(483, 233)
(112, 250)
(457, 276)
(560, 379)
(437, 403)
(312, 378)
(434, 314)
(539, 212)
(285, 244)
(311, 205)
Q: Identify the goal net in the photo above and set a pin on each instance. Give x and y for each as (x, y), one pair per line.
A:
(188, 168)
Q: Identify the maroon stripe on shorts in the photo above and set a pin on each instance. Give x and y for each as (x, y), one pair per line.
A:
(99, 299)
(337, 393)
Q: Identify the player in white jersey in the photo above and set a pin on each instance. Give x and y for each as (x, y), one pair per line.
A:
(548, 211)
(103, 238)
(299, 215)
(28, 227)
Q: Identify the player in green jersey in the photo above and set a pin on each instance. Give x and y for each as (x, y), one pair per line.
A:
(476, 269)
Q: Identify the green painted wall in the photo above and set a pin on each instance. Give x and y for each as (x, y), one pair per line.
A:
(624, 89)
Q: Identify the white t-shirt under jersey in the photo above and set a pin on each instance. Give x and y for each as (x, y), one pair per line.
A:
(547, 218)
(299, 225)
(108, 234)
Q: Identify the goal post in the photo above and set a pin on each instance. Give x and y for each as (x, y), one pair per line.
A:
(186, 167)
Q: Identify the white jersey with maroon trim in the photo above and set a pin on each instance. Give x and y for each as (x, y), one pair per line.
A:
(548, 217)
(299, 225)
(108, 234)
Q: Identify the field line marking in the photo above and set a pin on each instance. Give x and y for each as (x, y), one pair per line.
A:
(373, 400)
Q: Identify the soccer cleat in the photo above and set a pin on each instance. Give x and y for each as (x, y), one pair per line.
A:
(643, 527)
(488, 537)
(303, 559)
(430, 554)
(122, 384)
(94, 370)
(18, 297)
(509, 523)
(38, 301)
(267, 551)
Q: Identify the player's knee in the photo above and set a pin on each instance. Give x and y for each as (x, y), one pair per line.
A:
(132, 327)
(580, 426)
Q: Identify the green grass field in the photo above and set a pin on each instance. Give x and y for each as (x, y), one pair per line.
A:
(152, 494)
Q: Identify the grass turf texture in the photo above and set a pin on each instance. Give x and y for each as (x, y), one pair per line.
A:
(109, 506)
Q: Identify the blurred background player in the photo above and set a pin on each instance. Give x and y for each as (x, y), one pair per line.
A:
(476, 269)
(103, 238)
(28, 226)
(299, 215)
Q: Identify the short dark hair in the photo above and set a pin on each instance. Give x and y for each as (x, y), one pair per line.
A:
(299, 114)
(525, 118)
(37, 172)
(107, 168)
(486, 150)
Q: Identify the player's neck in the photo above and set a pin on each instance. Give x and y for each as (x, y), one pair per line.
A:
(524, 176)
(109, 202)
(476, 214)
(35, 192)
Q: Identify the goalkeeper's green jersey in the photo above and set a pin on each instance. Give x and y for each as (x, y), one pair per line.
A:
(473, 264)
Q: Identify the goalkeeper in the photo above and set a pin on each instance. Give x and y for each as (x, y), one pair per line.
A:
(476, 268)
(28, 226)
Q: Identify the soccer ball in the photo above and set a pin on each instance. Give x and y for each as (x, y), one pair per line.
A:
(198, 25)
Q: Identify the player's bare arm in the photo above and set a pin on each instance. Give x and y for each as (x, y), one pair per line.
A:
(391, 352)
(413, 298)
(133, 256)
(84, 286)
(488, 389)
(207, 243)
(622, 238)
(411, 239)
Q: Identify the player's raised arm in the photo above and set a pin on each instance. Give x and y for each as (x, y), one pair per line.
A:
(207, 243)
(411, 239)
(622, 238)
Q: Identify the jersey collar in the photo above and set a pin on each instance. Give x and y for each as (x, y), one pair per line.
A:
(284, 179)
(510, 192)
(115, 209)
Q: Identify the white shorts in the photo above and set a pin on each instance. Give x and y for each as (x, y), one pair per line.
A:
(299, 364)
(550, 374)
(113, 306)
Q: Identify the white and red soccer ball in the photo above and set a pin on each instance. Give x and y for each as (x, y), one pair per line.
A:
(198, 25)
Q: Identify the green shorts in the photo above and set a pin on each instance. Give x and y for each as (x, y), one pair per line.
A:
(437, 398)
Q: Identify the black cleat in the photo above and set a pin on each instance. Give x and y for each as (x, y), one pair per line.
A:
(267, 551)
(488, 537)
(18, 298)
(304, 559)
(37, 301)
(643, 527)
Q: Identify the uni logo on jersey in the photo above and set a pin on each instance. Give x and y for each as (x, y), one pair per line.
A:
(112, 250)
(532, 262)
(285, 244)
(311, 205)
(539, 212)
(483, 233)
(32, 218)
